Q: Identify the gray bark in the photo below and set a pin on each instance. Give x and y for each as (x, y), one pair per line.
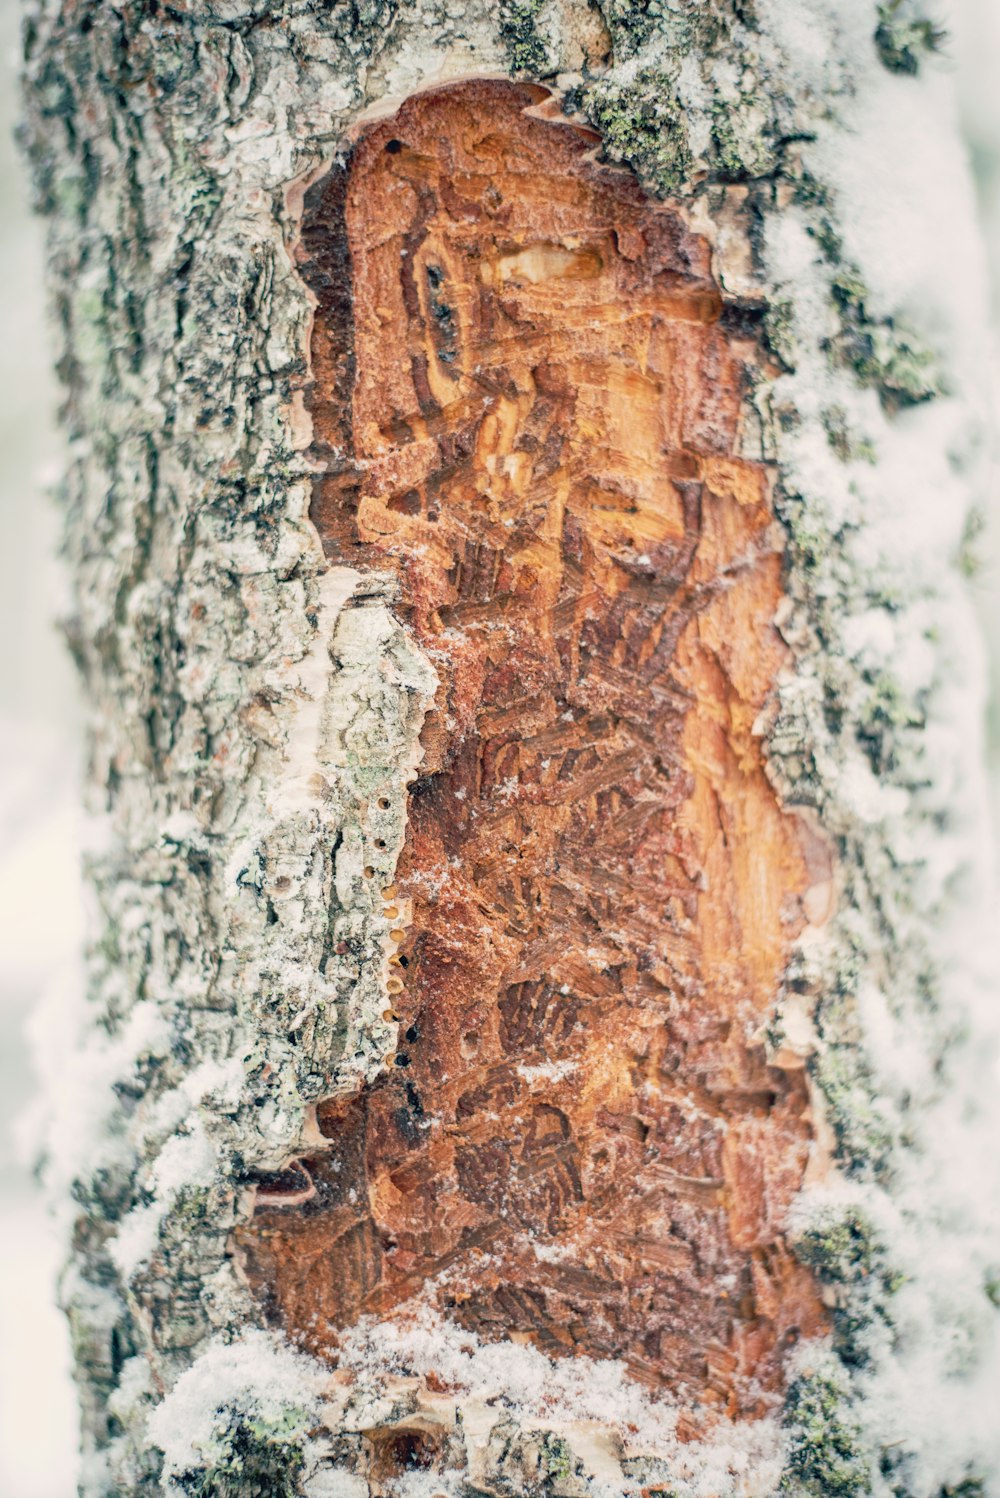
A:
(241, 714)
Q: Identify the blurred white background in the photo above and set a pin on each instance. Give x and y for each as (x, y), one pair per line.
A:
(39, 754)
(40, 741)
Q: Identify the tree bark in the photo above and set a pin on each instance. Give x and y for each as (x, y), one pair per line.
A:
(537, 1021)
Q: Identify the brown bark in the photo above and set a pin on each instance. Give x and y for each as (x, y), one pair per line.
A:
(527, 404)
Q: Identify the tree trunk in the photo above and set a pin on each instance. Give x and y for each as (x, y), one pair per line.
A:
(537, 1033)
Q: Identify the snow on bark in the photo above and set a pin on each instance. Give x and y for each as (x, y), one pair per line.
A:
(248, 707)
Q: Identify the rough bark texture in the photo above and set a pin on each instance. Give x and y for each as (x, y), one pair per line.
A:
(716, 564)
(531, 402)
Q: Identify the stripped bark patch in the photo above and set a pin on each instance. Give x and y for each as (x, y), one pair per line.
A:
(527, 406)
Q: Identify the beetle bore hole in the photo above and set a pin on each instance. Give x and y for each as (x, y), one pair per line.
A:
(393, 147)
(384, 802)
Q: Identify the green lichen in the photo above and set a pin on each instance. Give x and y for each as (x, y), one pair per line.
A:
(642, 123)
(631, 26)
(253, 1459)
(371, 18)
(779, 330)
(825, 1449)
(817, 200)
(904, 37)
(881, 353)
(848, 447)
(885, 710)
(847, 1257)
(970, 555)
(864, 1138)
(557, 1457)
(535, 1462)
(689, 30)
(646, 124)
(840, 1247)
(695, 110)
(191, 1206)
(809, 536)
(525, 47)
(742, 148)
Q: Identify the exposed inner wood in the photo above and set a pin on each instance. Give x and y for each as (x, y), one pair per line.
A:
(527, 400)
